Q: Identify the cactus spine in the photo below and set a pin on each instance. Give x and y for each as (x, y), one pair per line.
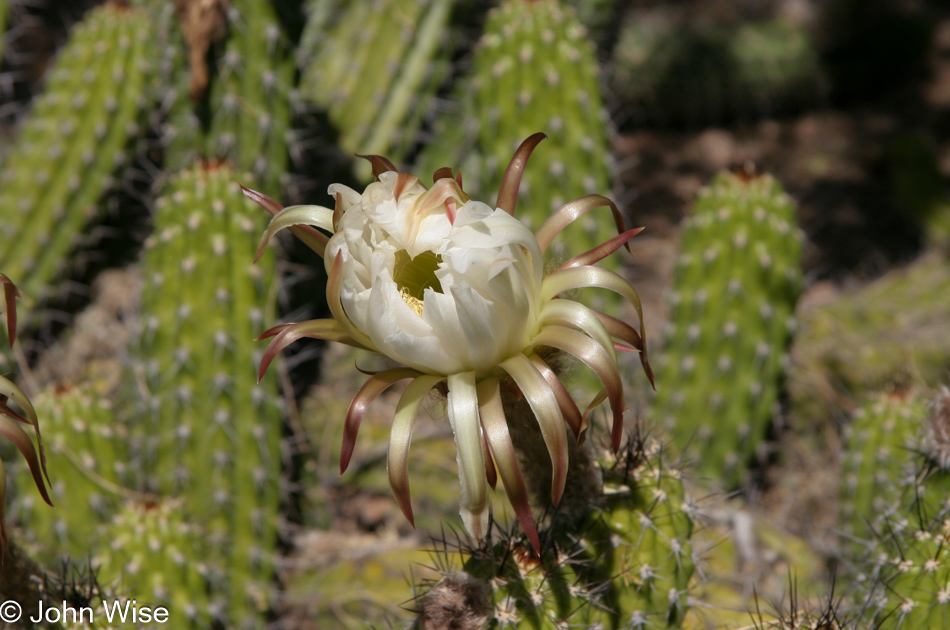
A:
(376, 95)
(534, 70)
(738, 270)
(212, 431)
(72, 142)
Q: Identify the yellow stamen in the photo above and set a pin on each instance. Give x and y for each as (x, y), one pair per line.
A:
(413, 302)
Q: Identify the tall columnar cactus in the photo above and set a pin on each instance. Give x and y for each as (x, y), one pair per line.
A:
(882, 439)
(904, 566)
(211, 432)
(533, 70)
(72, 142)
(626, 565)
(374, 67)
(250, 98)
(736, 282)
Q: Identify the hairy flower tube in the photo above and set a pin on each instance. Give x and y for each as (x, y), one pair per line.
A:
(453, 290)
(12, 417)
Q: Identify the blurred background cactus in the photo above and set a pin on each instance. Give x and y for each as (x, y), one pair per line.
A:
(789, 159)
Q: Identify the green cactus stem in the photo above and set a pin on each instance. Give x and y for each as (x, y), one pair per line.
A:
(627, 564)
(902, 494)
(250, 97)
(882, 439)
(374, 67)
(72, 142)
(736, 282)
(211, 432)
(87, 461)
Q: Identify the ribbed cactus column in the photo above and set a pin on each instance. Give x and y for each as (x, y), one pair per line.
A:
(374, 66)
(882, 438)
(87, 459)
(736, 282)
(904, 573)
(250, 96)
(212, 431)
(533, 70)
(72, 142)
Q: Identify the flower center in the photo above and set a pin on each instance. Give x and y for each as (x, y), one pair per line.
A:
(414, 275)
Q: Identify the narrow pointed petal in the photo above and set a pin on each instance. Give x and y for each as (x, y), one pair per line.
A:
(622, 331)
(334, 283)
(380, 164)
(327, 329)
(371, 389)
(463, 415)
(12, 431)
(443, 173)
(594, 403)
(262, 200)
(10, 412)
(9, 389)
(401, 437)
(491, 474)
(511, 180)
(503, 452)
(593, 276)
(300, 215)
(307, 235)
(572, 415)
(574, 314)
(403, 181)
(10, 294)
(274, 330)
(570, 211)
(600, 252)
(597, 359)
(546, 410)
(337, 210)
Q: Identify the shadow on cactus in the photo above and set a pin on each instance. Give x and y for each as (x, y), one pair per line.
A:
(12, 417)
(626, 564)
(454, 292)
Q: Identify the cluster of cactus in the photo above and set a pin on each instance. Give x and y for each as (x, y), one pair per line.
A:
(205, 434)
(736, 282)
(76, 136)
(901, 514)
(627, 564)
(869, 340)
(668, 73)
(533, 70)
(377, 96)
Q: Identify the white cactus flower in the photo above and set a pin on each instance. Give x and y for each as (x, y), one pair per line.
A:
(454, 291)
